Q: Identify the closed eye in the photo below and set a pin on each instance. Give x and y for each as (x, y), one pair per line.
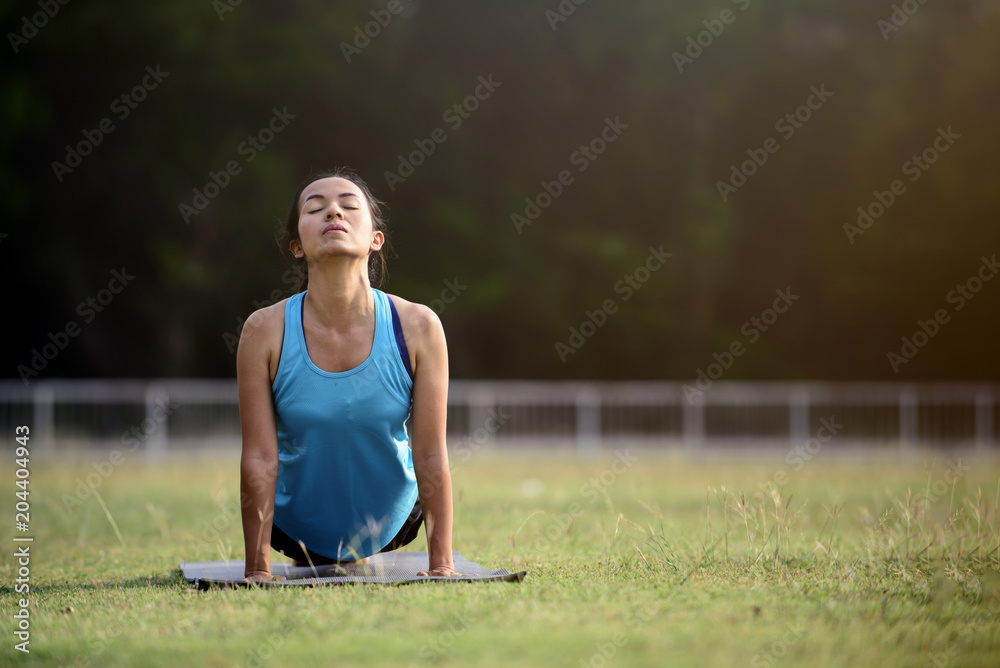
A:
(352, 208)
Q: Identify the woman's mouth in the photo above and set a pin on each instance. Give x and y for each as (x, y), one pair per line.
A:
(334, 227)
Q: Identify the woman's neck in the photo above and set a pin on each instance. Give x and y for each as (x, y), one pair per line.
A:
(337, 296)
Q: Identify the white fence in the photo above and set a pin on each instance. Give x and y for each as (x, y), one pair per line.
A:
(163, 416)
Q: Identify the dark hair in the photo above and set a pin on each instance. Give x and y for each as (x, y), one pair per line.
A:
(289, 230)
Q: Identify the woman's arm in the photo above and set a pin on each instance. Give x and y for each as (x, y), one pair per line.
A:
(259, 462)
(429, 419)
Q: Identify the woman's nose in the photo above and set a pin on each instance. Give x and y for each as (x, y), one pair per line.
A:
(334, 214)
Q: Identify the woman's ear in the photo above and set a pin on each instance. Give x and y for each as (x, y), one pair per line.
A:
(296, 248)
(377, 240)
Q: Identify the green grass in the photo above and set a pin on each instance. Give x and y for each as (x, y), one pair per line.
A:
(662, 561)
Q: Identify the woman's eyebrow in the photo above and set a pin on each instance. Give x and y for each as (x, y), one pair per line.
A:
(319, 196)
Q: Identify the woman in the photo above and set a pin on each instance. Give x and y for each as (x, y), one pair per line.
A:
(327, 378)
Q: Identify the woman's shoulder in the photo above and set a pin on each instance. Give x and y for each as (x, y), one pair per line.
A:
(414, 317)
(424, 335)
(266, 324)
(268, 315)
(422, 328)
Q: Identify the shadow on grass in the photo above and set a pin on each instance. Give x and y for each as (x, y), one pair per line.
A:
(162, 582)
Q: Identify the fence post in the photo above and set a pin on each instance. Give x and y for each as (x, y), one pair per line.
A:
(588, 420)
(798, 416)
(156, 441)
(984, 419)
(481, 400)
(694, 423)
(43, 430)
(907, 417)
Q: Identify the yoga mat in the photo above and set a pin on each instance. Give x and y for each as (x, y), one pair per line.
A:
(382, 568)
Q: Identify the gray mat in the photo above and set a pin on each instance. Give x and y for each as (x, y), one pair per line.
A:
(383, 568)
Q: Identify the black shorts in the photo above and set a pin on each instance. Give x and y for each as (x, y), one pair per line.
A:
(289, 547)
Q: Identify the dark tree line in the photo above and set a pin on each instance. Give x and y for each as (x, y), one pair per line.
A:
(142, 139)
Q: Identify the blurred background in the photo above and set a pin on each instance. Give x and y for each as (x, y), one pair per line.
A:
(720, 221)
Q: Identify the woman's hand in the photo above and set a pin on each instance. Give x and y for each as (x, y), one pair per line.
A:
(441, 571)
(262, 576)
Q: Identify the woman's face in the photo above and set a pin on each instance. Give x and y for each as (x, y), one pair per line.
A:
(334, 219)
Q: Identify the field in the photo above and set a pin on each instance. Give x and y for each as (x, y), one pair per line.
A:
(632, 560)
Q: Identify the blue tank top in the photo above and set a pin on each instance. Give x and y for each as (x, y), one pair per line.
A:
(345, 481)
